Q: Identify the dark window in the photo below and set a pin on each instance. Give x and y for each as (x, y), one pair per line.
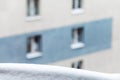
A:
(73, 4)
(34, 44)
(32, 7)
(78, 65)
(77, 35)
(79, 3)
(76, 4)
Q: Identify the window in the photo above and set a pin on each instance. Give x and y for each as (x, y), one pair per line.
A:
(77, 38)
(34, 47)
(33, 7)
(78, 65)
(33, 12)
(77, 6)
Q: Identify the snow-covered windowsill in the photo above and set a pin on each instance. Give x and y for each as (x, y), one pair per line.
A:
(77, 45)
(33, 55)
(33, 18)
(78, 11)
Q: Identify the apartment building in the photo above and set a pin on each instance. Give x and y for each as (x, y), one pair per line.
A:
(72, 33)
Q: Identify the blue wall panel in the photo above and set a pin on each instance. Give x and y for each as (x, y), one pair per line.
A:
(56, 43)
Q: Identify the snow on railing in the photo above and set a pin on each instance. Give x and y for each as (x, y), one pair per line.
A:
(46, 72)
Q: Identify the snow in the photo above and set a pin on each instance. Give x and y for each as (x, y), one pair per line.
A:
(46, 72)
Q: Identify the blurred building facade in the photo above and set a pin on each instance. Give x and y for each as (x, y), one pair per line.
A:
(72, 33)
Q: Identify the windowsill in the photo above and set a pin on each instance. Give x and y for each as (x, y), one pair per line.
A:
(33, 18)
(34, 55)
(78, 11)
(77, 45)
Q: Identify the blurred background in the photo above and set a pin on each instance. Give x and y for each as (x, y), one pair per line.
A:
(82, 34)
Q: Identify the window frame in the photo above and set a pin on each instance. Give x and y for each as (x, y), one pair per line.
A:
(77, 4)
(37, 42)
(78, 38)
(77, 65)
(36, 15)
(77, 7)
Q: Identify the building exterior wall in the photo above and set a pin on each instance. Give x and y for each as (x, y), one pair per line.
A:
(52, 15)
(102, 61)
(56, 43)
(57, 21)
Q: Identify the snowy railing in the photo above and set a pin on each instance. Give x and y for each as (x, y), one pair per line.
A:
(45, 72)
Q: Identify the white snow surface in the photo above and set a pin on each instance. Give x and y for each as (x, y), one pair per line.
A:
(45, 72)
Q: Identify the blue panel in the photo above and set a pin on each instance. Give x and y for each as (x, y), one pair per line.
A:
(56, 43)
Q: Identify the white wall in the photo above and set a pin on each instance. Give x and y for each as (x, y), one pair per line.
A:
(55, 13)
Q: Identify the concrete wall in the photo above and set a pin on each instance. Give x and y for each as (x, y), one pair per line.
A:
(103, 61)
(56, 43)
(13, 18)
